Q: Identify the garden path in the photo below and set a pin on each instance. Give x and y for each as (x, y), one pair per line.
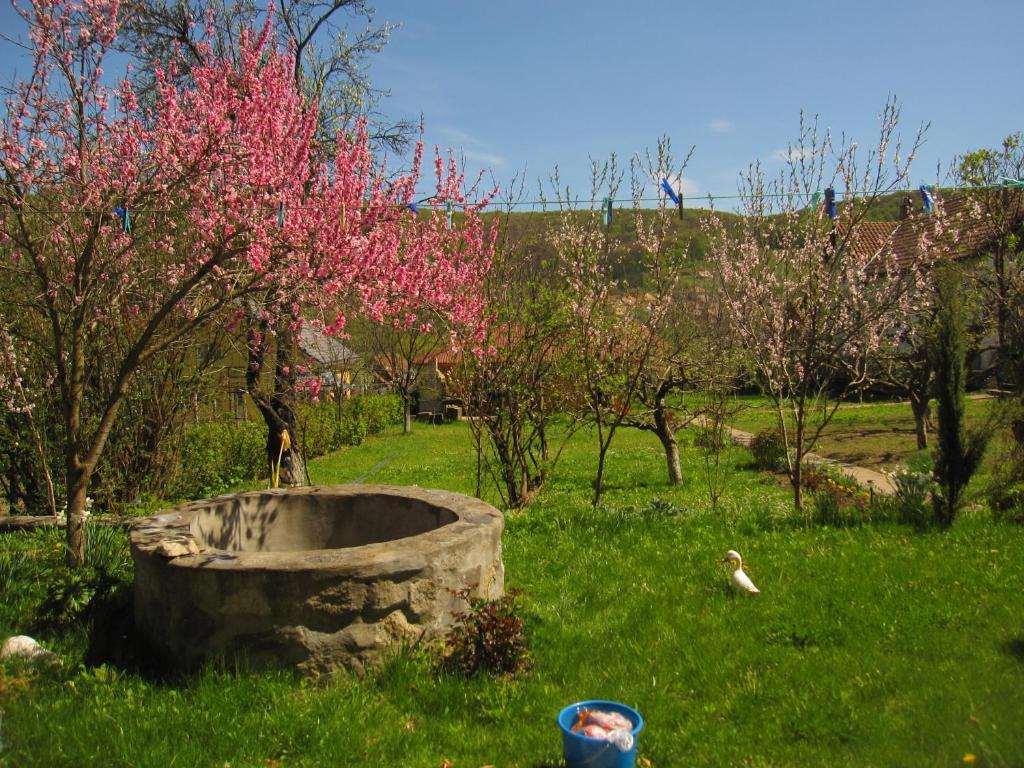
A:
(869, 478)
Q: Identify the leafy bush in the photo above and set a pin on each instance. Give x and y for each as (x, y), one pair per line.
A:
(769, 450)
(76, 595)
(319, 428)
(488, 638)
(912, 501)
(217, 455)
(1005, 492)
(710, 439)
(838, 500)
(326, 426)
(352, 428)
(1007, 501)
(379, 411)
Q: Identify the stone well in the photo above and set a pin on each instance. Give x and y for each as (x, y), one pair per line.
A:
(315, 578)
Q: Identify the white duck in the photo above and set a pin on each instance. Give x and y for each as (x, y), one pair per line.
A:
(740, 581)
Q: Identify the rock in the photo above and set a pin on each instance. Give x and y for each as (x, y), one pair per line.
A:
(178, 548)
(25, 647)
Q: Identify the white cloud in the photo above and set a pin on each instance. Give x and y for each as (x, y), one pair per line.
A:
(456, 136)
(791, 154)
(720, 126)
(484, 158)
(470, 147)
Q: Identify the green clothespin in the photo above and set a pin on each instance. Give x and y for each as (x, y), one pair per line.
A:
(606, 211)
(815, 200)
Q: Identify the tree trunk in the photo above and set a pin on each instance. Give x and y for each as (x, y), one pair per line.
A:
(663, 429)
(671, 446)
(407, 415)
(78, 487)
(798, 462)
(920, 408)
(283, 463)
(599, 480)
(291, 469)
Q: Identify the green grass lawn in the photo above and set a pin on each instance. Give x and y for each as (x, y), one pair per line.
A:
(869, 646)
(877, 435)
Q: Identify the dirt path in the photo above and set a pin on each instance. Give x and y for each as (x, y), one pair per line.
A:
(868, 478)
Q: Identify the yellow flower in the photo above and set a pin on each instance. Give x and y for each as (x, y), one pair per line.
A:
(970, 758)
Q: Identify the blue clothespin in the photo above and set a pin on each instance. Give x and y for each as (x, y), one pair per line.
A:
(126, 219)
(606, 211)
(830, 202)
(414, 208)
(669, 191)
(448, 212)
(926, 197)
(280, 214)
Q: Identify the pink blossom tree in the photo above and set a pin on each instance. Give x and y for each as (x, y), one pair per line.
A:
(809, 304)
(143, 226)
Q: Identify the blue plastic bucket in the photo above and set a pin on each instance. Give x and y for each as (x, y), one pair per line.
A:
(584, 752)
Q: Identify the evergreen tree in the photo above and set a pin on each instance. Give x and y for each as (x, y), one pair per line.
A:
(959, 451)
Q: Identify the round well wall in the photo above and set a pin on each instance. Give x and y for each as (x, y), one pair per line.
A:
(315, 577)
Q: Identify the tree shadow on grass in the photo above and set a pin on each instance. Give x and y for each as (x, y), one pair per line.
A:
(1015, 648)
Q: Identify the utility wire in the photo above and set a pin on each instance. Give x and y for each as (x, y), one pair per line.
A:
(495, 204)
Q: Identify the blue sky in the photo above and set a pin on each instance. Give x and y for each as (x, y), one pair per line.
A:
(534, 84)
(531, 84)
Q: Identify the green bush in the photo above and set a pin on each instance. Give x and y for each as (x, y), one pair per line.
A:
(218, 455)
(74, 596)
(769, 450)
(838, 500)
(319, 428)
(912, 503)
(352, 429)
(380, 411)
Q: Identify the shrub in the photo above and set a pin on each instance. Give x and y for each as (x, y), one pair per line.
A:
(710, 439)
(76, 595)
(838, 500)
(380, 411)
(769, 450)
(912, 501)
(218, 455)
(319, 428)
(488, 638)
(1007, 501)
(326, 426)
(1005, 493)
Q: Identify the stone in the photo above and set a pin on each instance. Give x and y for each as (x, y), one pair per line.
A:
(25, 647)
(313, 578)
(178, 547)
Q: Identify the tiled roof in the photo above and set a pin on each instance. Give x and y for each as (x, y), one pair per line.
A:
(873, 236)
(964, 229)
